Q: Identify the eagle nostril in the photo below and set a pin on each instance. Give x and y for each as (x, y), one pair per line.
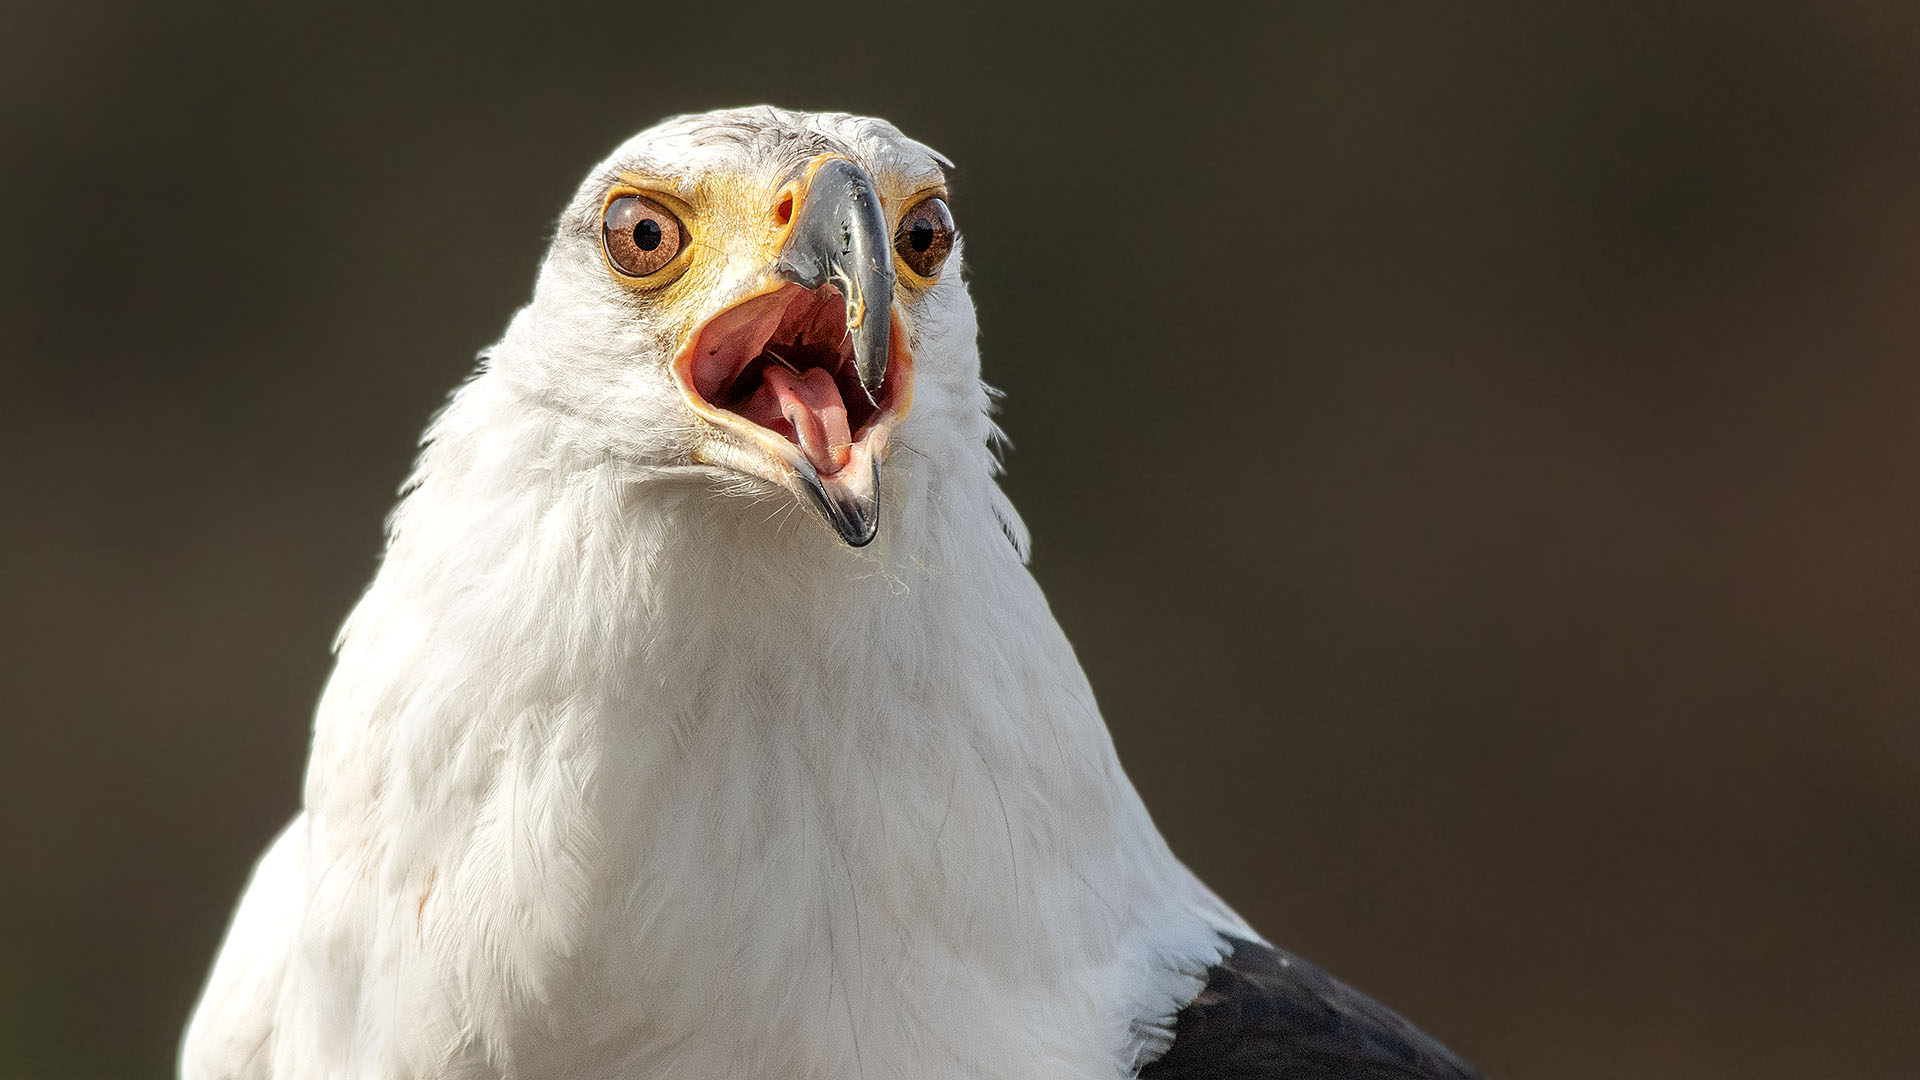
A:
(783, 211)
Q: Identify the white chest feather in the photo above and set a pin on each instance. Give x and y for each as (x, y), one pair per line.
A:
(590, 800)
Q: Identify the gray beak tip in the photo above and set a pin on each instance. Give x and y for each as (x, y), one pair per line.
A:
(840, 237)
(856, 520)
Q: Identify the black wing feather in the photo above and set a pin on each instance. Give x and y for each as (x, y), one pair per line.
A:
(1268, 1015)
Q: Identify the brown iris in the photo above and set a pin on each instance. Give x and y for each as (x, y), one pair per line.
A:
(640, 235)
(925, 236)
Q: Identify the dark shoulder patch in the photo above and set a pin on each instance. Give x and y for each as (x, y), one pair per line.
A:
(1268, 1015)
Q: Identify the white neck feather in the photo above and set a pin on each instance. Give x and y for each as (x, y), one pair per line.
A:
(603, 746)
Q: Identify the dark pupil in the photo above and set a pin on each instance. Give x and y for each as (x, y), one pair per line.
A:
(646, 235)
(921, 237)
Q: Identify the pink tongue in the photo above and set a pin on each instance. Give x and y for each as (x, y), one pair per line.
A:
(811, 402)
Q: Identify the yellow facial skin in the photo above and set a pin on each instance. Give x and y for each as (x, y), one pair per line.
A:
(736, 228)
(733, 220)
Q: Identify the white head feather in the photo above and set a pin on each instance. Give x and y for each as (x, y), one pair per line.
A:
(631, 768)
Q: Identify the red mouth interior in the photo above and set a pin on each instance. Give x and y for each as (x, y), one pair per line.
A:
(785, 362)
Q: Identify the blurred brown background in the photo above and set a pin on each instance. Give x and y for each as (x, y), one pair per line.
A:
(1473, 447)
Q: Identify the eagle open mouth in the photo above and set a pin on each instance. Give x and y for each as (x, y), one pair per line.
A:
(784, 361)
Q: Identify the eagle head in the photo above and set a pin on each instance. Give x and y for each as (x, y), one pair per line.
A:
(757, 293)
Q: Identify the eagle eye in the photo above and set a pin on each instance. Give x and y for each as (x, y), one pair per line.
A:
(640, 235)
(925, 236)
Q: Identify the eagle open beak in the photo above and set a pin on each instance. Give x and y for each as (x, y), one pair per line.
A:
(809, 375)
